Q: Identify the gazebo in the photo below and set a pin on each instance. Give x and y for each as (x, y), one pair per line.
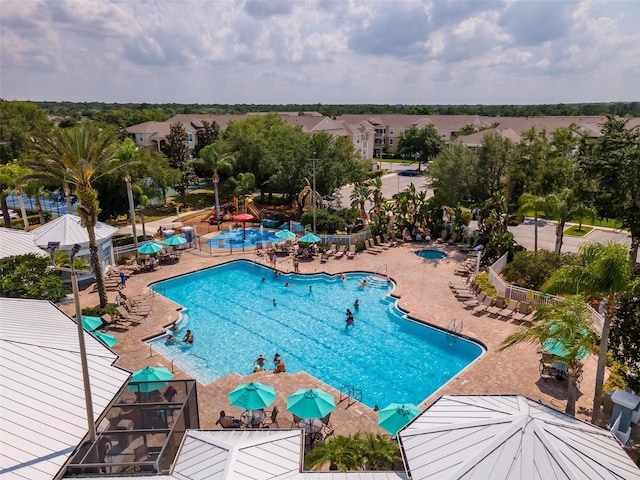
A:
(68, 230)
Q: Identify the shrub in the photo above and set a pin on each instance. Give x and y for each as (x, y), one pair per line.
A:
(482, 279)
(30, 276)
(326, 222)
(98, 311)
(532, 269)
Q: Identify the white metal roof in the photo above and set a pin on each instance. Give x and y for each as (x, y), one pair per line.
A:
(68, 230)
(18, 242)
(239, 454)
(42, 408)
(509, 437)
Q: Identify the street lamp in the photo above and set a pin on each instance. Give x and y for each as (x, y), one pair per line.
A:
(313, 194)
(53, 246)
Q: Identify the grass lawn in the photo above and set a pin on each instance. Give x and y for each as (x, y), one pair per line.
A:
(595, 222)
(577, 232)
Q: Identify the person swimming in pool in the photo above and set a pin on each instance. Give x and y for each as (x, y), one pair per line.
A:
(171, 339)
(363, 283)
(356, 304)
(188, 338)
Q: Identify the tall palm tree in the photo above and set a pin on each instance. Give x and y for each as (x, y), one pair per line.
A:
(359, 195)
(216, 162)
(528, 202)
(126, 154)
(10, 182)
(245, 186)
(76, 157)
(569, 323)
(562, 206)
(605, 271)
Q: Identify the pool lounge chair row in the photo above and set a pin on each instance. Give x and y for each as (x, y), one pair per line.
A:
(503, 308)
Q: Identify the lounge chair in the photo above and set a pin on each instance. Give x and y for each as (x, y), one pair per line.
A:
(522, 315)
(324, 257)
(332, 249)
(126, 315)
(509, 309)
(371, 248)
(352, 252)
(380, 243)
(326, 425)
(474, 302)
(341, 251)
(482, 308)
(140, 307)
(443, 236)
(391, 243)
(497, 307)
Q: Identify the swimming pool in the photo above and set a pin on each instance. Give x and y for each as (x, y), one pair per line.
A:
(232, 314)
(431, 254)
(234, 238)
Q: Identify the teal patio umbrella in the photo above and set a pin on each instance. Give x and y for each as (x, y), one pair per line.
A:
(157, 377)
(396, 416)
(557, 349)
(175, 240)
(149, 248)
(106, 338)
(309, 238)
(285, 234)
(90, 323)
(311, 403)
(252, 396)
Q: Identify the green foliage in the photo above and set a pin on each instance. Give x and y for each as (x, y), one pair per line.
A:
(422, 144)
(532, 269)
(29, 276)
(62, 259)
(19, 122)
(326, 222)
(482, 279)
(98, 311)
(617, 377)
(625, 334)
(576, 231)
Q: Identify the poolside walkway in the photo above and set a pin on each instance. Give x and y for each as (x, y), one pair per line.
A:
(422, 288)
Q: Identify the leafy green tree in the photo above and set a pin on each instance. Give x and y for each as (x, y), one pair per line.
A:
(532, 269)
(11, 175)
(326, 222)
(19, 122)
(452, 174)
(161, 175)
(215, 163)
(605, 271)
(77, 156)
(494, 155)
(244, 185)
(423, 144)
(208, 135)
(30, 276)
(612, 163)
(178, 152)
(625, 334)
(569, 323)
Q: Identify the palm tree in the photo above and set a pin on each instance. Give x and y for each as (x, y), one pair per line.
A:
(527, 202)
(216, 162)
(126, 154)
(562, 206)
(376, 452)
(605, 271)
(568, 323)
(340, 453)
(10, 182)
(76, 157)
(359, 195)
(245, 185)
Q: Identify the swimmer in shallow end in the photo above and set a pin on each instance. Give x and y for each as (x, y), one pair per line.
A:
(170, 339)
(274, 302)
(363, 283)
(188, 338)
(286, 284)
(310, 289)
(356, 304)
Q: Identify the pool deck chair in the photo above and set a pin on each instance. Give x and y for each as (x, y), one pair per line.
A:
(128, 316)
(332, 249)
(509, 310)
(341, 251)
(324, 257)
(271, 419)
(482, 308)
(474, 302)
(392, 242)
(352, 252)
(497, 307)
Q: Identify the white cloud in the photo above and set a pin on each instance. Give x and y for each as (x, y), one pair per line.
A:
(319, 51)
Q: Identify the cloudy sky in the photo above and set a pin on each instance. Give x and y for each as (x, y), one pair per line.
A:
(320, 51)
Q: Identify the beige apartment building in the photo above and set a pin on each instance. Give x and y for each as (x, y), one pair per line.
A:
(373, 135)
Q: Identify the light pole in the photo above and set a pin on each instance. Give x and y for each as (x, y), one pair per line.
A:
(53, 246)
(313, 194)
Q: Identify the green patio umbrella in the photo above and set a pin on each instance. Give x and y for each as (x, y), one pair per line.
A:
(149, 248)
(285, 234)
(175, 240)
(106, 338)
(252, 396)
(309, 238)
(90, 323)
(556, 348)
(157, 377)
(311, 403)
(396, 416)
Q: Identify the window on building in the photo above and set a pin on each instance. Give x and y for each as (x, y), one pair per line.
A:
(391, 131)
(141, 138)
(391, 141)
(357, 138)
(190, 137)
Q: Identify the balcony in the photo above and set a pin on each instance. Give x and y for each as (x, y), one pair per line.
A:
(142, 430)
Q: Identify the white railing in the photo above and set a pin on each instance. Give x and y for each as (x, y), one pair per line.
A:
(533, 297)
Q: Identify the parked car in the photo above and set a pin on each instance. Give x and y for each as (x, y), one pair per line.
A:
(408, 173)
(13, 214)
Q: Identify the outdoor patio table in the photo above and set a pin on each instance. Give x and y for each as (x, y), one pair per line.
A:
(311, 425)
(252, 418)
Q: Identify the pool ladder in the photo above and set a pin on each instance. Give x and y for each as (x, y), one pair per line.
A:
(350, 394)
(454, 327)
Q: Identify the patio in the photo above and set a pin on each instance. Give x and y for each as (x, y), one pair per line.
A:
(514, 371)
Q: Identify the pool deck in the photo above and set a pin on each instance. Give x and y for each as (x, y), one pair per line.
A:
(423, 291)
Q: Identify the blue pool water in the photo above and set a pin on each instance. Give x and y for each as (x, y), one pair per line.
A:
(232, 315)
(431, 254)
(234, 238)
